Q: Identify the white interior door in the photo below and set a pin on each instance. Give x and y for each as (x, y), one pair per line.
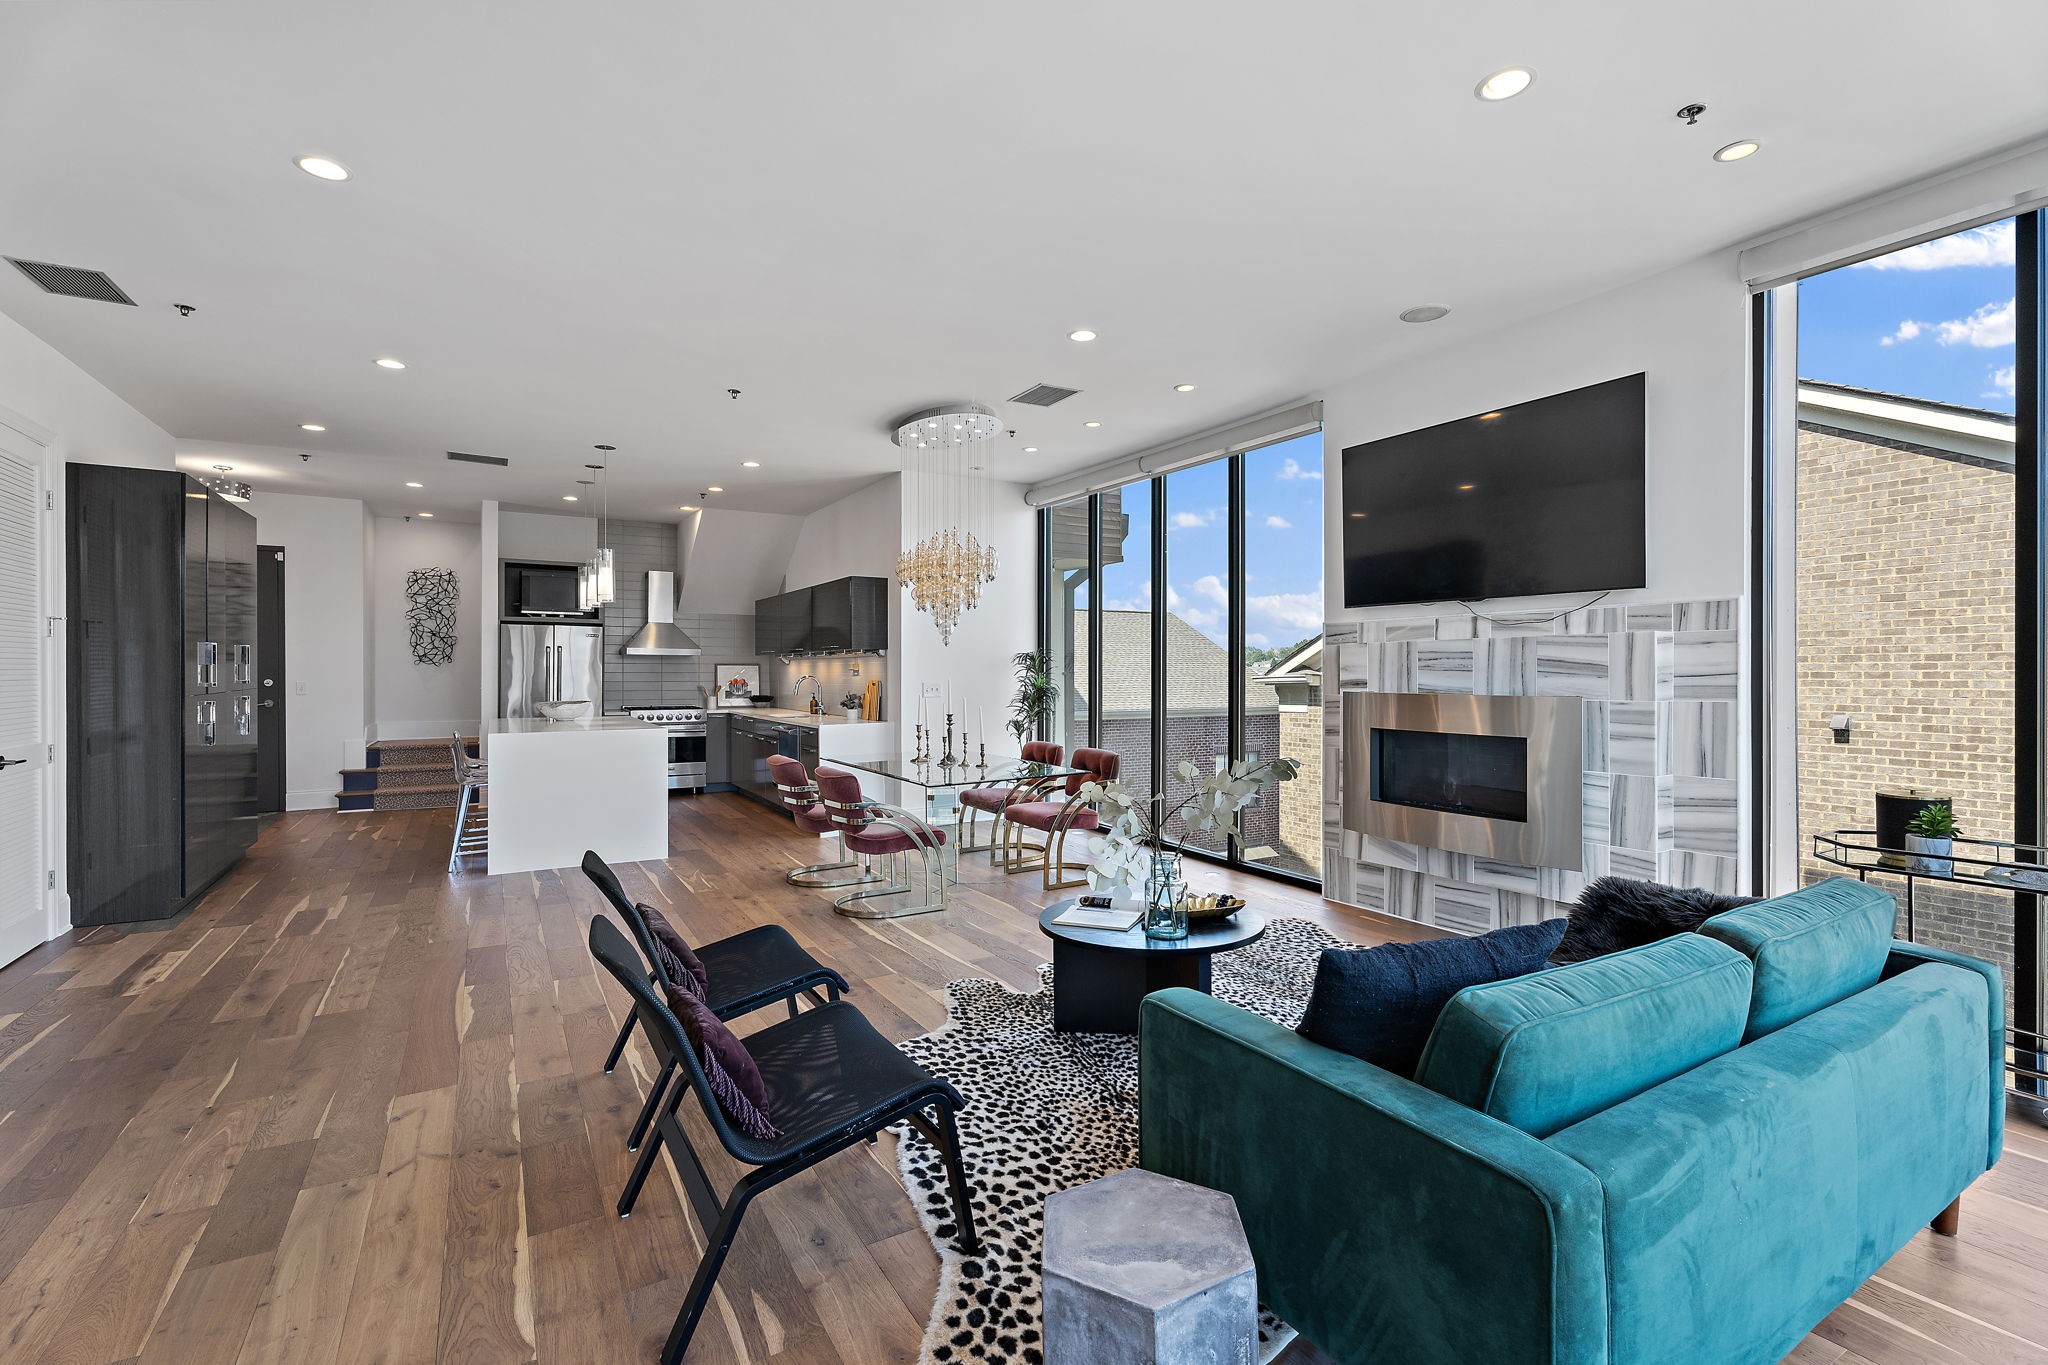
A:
(23, 746)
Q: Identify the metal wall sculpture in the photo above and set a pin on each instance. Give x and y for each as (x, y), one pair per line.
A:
(431, 596)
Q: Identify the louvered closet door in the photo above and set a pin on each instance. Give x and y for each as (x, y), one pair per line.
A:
(22, 744)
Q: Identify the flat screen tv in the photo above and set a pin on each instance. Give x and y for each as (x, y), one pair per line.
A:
(1542, 497)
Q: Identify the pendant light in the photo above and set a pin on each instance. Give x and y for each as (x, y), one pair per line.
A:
(596, 583)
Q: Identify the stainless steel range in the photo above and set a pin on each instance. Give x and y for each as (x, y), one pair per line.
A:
(685, 726)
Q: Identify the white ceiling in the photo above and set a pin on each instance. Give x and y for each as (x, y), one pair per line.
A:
(582, 223)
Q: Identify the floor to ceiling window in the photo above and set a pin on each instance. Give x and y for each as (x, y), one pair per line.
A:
(1207, 617)
(1909, 593)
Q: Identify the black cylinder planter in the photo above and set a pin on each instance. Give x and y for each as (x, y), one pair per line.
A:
(1896, 808)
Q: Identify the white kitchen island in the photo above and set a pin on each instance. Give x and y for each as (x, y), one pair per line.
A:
(557, 788)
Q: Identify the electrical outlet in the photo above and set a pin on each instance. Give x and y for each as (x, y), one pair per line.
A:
(934, 692)
(298, 689)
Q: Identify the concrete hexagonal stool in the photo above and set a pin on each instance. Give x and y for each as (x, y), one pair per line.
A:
(1142, 1268)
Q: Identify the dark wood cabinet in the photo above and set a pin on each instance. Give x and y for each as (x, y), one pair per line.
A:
(161, 639)
(844, 616)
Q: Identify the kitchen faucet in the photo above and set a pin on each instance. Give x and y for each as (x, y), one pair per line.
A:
(817, 703)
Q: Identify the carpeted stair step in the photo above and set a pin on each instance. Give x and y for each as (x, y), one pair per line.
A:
(400, 798)
(397, 776)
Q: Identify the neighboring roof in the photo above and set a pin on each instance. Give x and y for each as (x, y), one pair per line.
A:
(1921, 421)
(1303, 665)
(1197, 668)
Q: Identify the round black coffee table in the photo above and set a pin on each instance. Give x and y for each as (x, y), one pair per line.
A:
(1099, 975)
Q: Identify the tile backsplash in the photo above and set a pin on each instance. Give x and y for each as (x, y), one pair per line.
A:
(638, 548)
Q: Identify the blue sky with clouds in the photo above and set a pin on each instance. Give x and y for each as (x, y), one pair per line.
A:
(1283, 541)
(1933, 321)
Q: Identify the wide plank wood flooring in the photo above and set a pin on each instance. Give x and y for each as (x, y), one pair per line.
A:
(351, 1109)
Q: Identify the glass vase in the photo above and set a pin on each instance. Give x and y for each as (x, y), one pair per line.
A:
(1166, 910)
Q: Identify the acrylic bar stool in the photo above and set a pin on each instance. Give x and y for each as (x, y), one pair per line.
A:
(472, 817)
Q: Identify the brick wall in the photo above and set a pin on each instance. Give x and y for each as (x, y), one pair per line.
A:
(1905, 609)
(1199, 738)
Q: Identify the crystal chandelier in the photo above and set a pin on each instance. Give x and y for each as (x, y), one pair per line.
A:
(946, 452)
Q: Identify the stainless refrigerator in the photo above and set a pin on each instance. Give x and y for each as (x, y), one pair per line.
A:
(549, 663)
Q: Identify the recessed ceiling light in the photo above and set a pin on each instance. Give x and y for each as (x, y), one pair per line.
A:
(1091, 424)
(1504, 85)
(1183, 388)
(415, 485)
(388, 363)
(750, 464)
(1735, 151)
(311, 426)
(426, 514)
(322, 167)
(1428, 312)
(714, 489)
(568, 497)
(1030, 450)
(1082, 334)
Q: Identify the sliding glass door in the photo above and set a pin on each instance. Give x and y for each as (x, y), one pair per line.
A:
(1902, 502)
(1203, 637)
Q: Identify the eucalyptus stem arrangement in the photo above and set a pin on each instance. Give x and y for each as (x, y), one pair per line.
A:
(1144, 825)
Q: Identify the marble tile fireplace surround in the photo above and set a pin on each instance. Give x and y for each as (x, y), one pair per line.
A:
(1659, 688)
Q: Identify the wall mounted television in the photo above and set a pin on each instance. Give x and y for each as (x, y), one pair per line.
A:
(1542, 497)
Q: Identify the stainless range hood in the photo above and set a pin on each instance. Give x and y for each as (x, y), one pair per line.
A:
(660, 635)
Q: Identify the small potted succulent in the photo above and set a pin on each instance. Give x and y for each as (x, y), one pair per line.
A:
(1930, 838)
(850, 704)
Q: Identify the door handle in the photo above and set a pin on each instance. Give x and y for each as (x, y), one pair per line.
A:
(12, 762)
(266, 702)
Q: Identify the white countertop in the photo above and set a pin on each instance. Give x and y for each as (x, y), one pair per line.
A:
(535, 725)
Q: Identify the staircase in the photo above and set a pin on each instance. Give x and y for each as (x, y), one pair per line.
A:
(403, 774)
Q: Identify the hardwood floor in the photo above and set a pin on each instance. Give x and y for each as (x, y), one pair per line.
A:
(350, 1108)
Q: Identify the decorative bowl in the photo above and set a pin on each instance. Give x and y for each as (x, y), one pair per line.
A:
(1204, 908)
(563, 710)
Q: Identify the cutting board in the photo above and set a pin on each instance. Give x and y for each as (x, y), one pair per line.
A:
(871, 700)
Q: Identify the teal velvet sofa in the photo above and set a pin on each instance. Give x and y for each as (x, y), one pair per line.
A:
(1687, 1152)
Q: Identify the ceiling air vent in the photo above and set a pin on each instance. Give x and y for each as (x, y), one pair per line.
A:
(1044, 395)
(72, 282)
(468, 458)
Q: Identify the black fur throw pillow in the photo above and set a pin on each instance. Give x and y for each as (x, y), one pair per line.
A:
(1619, 912)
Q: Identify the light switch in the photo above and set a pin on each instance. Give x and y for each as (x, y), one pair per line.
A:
(934, 692)
(298, 689)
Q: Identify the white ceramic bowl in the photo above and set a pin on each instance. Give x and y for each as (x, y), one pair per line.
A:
(563, 710)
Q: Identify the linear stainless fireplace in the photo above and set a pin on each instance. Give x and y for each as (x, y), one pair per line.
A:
(1495, 776)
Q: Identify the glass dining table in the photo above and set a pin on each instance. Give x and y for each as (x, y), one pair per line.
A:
(939, 784)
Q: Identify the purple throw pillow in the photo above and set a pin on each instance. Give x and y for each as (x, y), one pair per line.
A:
(735, 1081)
(678, 963)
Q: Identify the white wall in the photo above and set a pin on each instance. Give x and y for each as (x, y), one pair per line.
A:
(544, 537)
(859, 534)
(974, 670)
(410, 700)
(327, 621)
(740, 557)
(1686, 328)
(75, 417)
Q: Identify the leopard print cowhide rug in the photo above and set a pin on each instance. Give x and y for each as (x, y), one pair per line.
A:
(1046, 1111)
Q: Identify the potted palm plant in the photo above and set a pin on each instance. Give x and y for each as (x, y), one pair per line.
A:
(1031, 707)
(1930, 838)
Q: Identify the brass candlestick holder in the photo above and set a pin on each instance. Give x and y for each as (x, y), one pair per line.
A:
(947, 759)
(919, 755)
(984, 755)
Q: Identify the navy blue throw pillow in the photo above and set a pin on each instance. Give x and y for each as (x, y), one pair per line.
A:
(1379, 1004)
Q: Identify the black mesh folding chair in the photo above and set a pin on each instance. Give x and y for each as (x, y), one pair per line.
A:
(832, 1082)
(749, 971)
